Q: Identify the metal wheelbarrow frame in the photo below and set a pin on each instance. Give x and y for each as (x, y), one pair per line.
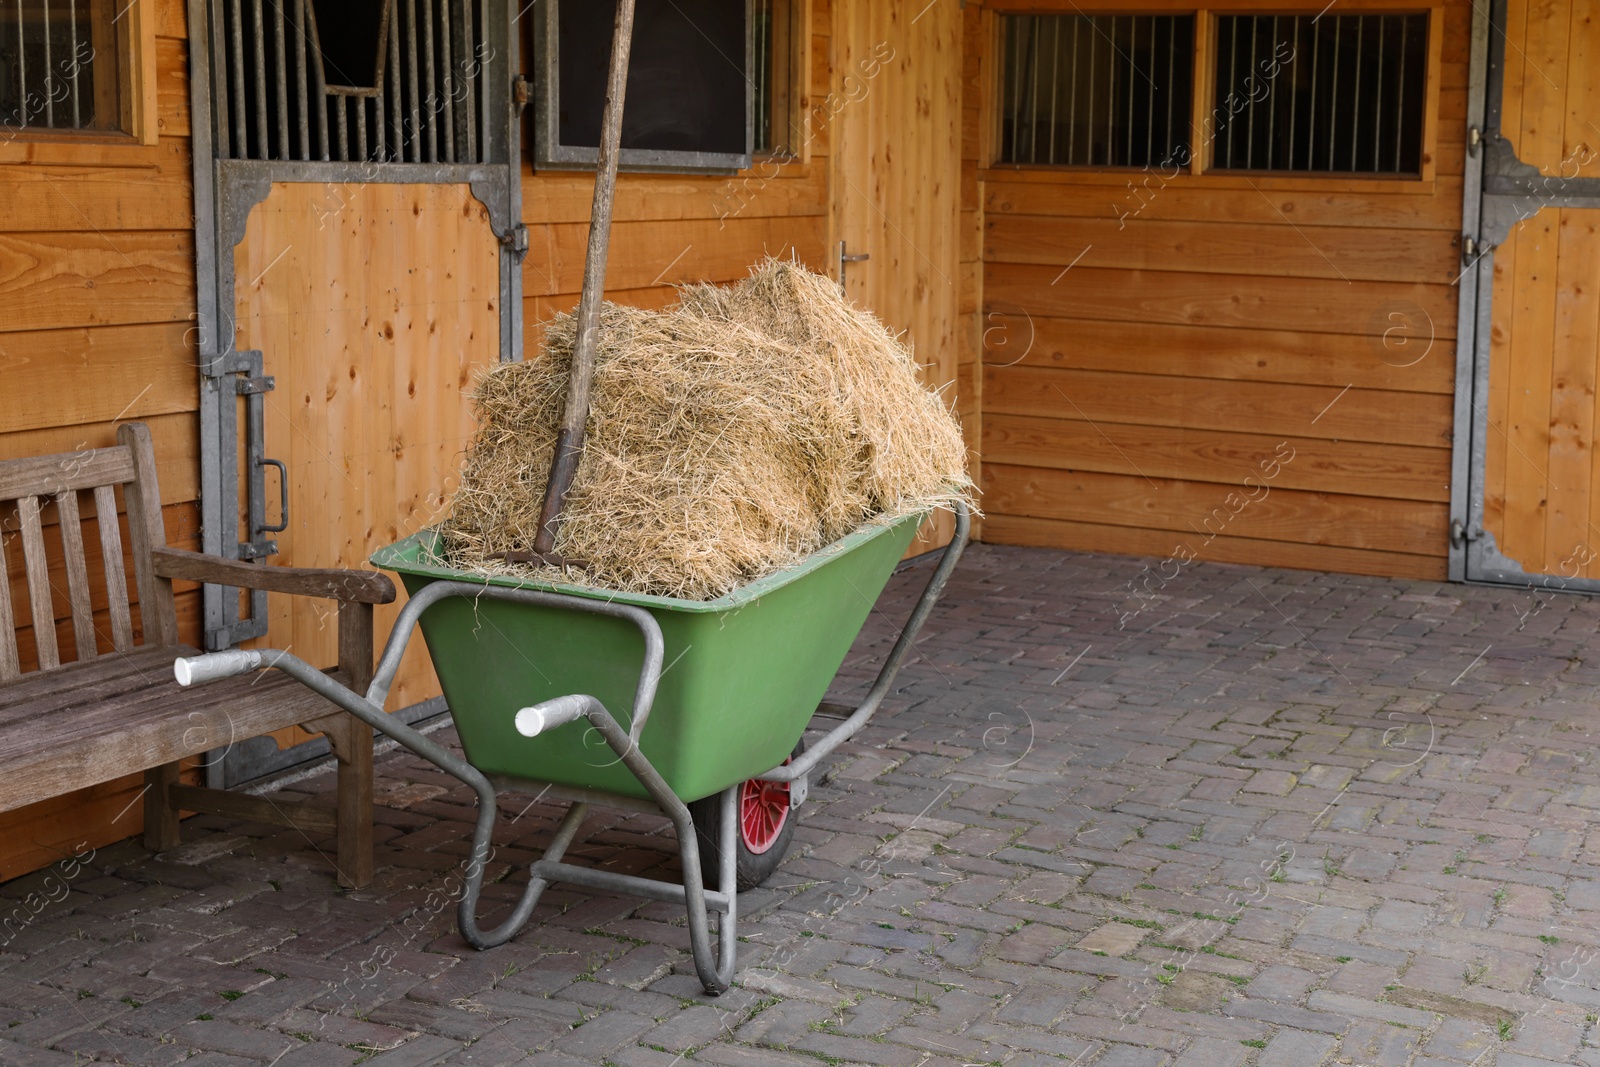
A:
(715, 968)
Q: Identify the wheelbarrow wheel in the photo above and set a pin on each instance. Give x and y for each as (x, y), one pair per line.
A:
(763, 826)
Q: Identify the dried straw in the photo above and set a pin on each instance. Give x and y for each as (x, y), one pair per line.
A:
(729, 436)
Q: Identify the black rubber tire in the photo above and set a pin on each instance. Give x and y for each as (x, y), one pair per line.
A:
(753, 868)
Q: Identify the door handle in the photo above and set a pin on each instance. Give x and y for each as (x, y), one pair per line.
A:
(844, 257)
(283, 499)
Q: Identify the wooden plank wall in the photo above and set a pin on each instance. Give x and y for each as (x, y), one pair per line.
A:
(1541, 487)
(97, 282)
(1147, 351)
(896, 186)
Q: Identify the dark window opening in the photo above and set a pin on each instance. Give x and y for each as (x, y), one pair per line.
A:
(1342, 94)
(689, 98)
(1096, 90)
(59, 66)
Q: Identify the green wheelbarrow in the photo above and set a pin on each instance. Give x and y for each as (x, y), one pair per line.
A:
(695, 709)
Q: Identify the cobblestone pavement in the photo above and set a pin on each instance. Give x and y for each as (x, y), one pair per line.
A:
(1249, 817)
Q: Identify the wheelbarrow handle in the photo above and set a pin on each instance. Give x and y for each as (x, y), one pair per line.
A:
(531, 722)
(213, 666)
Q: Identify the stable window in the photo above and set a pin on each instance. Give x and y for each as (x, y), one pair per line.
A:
(1328, 94)
(691, 103)
(61, 67)
(1096, 90)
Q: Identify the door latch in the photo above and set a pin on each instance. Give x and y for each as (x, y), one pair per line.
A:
(844, 258)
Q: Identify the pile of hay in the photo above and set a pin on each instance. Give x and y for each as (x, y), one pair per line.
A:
(729, 436)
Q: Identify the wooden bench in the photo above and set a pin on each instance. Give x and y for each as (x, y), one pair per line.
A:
(116, 709)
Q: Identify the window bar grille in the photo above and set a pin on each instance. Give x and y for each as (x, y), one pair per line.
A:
(432, 99)
(302, 104)
(1294, 36)
(469, 104)
(261, 80)
(1094, 48)
(49, 72)
(1233, 80)
(1355, 100)
(479, 61)
(236, 42)
(1032, 120)
(1133, 49)
(1272, 115)
(1111, 91)
(380, 123)
(1072, 108)
(1311, 131)
(1400, 105)
(1250, 119)
(77, 63)
(1150, 108)
(22, 71)
(447, 82)
(1333, 94)
(281, 57)
(1377, 107)
(1055, 80)
(396, 105)
(414, 139)
(1172, 77)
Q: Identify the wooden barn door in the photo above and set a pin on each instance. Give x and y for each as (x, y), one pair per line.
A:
(374, 306)
(1535, 506)
(359, 255)
(893, 123)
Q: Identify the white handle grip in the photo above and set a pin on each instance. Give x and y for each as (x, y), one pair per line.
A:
(215, 665)
(531, 722)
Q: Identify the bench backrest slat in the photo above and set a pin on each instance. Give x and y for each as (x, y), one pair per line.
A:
(148, 532)
(33, 561)
(10, 667)
(105, 507)
(77, 574)
(52, 475)
(31, 484)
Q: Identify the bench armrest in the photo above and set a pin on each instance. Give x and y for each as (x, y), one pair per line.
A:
(350, 586)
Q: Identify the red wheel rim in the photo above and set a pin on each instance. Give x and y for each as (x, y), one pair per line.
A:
(763, 809)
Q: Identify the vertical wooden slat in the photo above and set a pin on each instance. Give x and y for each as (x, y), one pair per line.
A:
(143, 495)
(1568, 533)
(77, 575)
(10, 666)
(36, 568)
(105, 506)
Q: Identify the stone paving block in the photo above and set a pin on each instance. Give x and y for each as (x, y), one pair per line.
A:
(418, 1052)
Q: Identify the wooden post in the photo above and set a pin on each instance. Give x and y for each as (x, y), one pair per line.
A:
(160, 814)
(351, 741)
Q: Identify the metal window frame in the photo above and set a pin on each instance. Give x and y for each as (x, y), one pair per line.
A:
(551, 154)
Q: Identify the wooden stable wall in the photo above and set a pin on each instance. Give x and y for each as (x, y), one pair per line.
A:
(97, 290)
(1150, 349)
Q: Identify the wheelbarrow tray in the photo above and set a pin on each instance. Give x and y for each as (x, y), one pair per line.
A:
(743, 675)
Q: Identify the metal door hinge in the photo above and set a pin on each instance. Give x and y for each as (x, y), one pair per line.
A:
(516, 241)
(521, 91)
(1474, 140)
(1461, 535)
